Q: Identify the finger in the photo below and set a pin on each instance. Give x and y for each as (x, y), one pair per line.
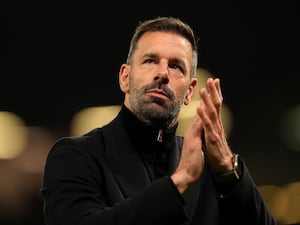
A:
(214, 91)
(209, 107)
(212, 131)
(206, 121)
(218, 87)
(196, 126)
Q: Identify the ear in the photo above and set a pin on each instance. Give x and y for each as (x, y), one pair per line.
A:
(190, 91)
(124, 77)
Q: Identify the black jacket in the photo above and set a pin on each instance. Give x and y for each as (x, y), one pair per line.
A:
(108, 177)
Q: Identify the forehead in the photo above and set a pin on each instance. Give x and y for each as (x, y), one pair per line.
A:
(165, 43)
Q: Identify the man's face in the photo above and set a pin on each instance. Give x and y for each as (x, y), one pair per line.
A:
(157, 82)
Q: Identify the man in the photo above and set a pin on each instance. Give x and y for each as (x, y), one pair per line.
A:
(135, 169)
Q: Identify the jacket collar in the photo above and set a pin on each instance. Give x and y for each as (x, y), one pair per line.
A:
(143, 135)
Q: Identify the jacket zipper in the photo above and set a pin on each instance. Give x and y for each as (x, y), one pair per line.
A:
(159, 136)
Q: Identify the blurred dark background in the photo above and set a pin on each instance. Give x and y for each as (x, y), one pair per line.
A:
(60, 57)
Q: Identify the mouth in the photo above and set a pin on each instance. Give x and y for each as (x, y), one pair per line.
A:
(158, 93)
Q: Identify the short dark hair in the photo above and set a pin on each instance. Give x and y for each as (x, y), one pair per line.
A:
(166, 24)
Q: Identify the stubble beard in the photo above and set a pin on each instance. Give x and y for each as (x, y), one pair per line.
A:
(154, 111)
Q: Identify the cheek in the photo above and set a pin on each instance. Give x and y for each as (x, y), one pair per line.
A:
(137, 82)
(181, 89)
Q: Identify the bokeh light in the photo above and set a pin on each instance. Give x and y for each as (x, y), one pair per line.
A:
(13, 136)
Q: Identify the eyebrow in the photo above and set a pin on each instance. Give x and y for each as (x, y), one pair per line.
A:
(173, 60)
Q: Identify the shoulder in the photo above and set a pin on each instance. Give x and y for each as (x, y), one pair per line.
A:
(89, 143)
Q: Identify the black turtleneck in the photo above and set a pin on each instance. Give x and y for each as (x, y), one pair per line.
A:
(144, 139)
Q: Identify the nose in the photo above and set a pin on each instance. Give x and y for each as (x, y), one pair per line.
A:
(162, 73)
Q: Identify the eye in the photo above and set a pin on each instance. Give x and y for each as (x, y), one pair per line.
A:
(176, 67)
(149, 61)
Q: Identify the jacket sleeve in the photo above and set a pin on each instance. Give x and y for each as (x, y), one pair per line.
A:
(74, 195)
(244, 204)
